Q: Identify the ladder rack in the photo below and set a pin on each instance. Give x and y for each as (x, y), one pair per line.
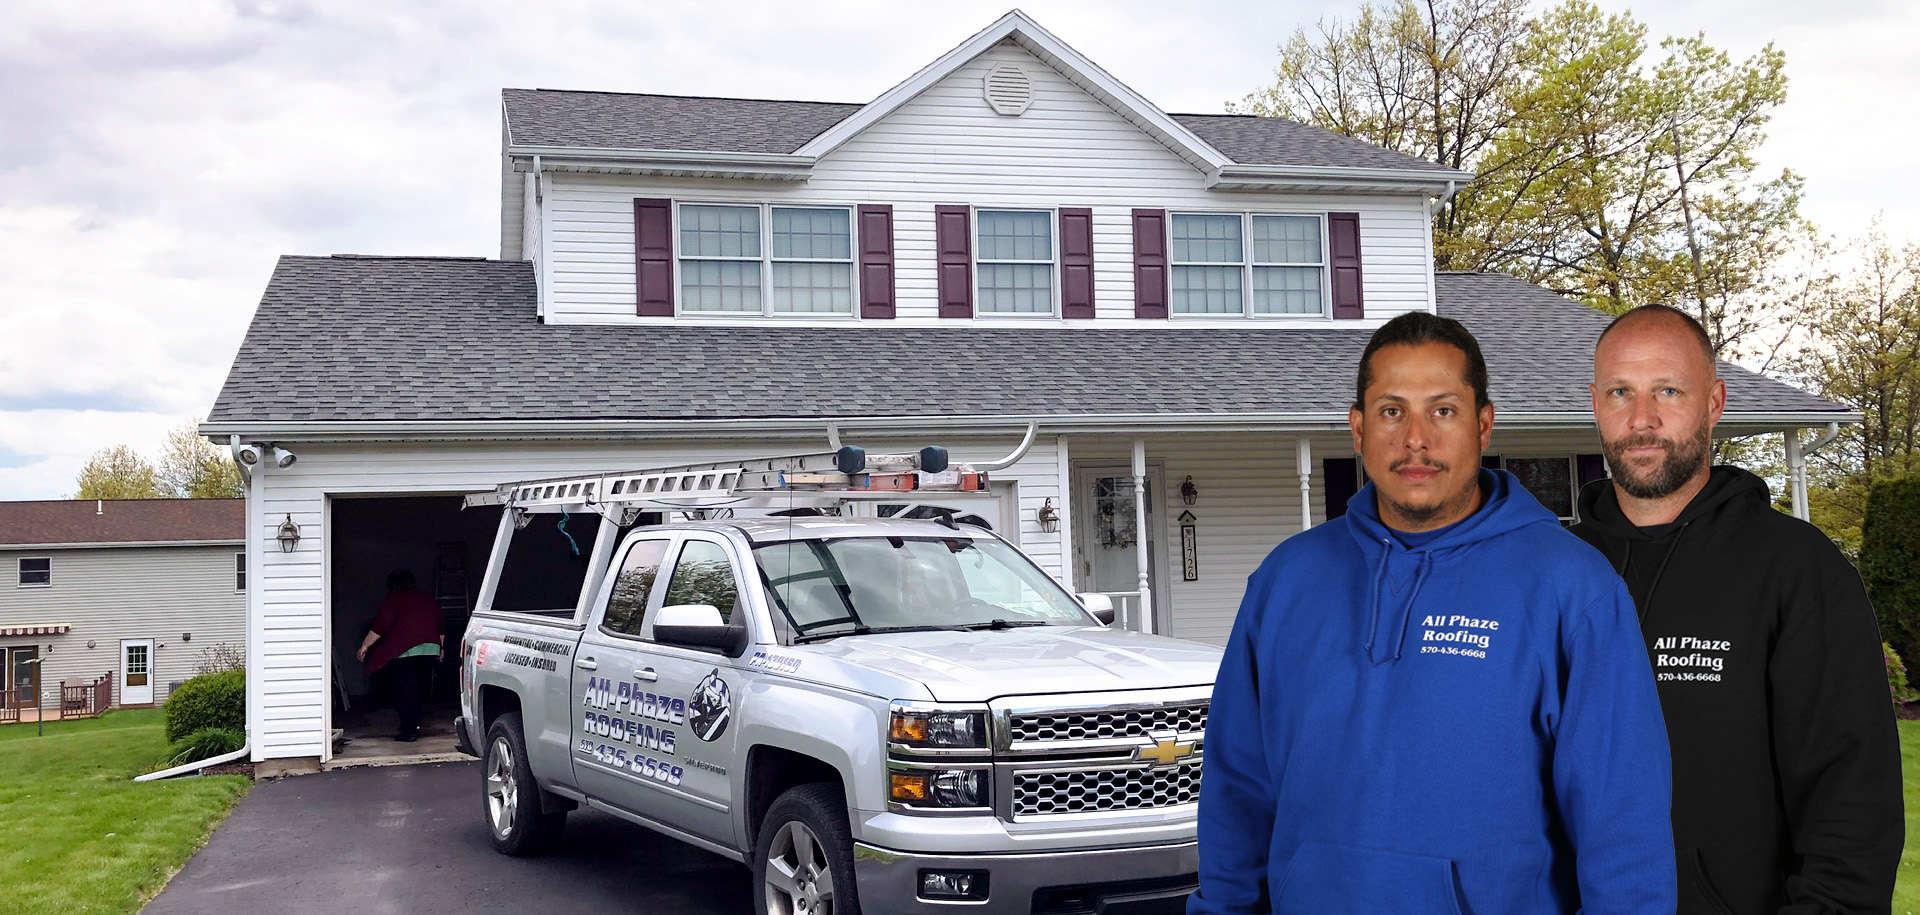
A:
(810, 480)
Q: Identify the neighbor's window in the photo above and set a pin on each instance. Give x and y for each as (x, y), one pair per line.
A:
(1246, 264)
(239, 571)
(36, 573)
(1550, 479)
(1014, 251)
(806, 269)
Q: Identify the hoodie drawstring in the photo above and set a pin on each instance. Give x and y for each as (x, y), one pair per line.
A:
(1420, 574)
(1662, 570)
(1373, 598)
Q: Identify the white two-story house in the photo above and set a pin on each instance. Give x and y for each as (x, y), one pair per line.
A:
(1009, 245)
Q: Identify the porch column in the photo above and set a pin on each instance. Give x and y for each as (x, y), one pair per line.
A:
(1140, 539)
(1305, 455)
(1796, 474)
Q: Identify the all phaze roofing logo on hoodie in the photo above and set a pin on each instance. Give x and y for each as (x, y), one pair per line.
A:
(1460, 635)
(1701, 662)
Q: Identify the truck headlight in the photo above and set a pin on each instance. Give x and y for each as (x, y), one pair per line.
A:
(938, 787)
(938, 729)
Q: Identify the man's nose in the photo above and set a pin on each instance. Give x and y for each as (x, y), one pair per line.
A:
(1418, 432)
(1642, 414)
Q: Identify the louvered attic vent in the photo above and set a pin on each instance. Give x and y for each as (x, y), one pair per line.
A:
(1008, 90)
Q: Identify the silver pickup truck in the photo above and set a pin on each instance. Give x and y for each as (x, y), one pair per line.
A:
(895, 716)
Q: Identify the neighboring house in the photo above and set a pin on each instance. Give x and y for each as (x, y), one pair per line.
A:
(142, 590)
(1009, 239)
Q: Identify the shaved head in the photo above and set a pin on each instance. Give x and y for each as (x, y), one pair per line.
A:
(1672, 317)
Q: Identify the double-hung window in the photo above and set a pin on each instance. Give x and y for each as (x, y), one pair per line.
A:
(765, 259)
(1014, 252)
(36, 572)
(1247, 264)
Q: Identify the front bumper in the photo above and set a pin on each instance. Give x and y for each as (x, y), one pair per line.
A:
(1148, 880)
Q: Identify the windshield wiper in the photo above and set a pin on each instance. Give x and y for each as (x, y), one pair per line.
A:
(871, 630)
(1004, 624)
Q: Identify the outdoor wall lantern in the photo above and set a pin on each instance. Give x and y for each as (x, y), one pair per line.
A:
(1189, 493)
(1048, 518)
(289, 535)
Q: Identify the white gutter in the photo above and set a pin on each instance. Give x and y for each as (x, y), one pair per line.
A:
(1358, 178)
(106, 544)
(809, 427)
(771, 165)
(194, 767)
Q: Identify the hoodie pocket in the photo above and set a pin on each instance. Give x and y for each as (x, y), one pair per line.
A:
(1696, 891)
(1334, 879)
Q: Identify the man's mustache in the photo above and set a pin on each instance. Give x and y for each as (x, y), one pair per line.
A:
(1439, 466)
(1645, 440)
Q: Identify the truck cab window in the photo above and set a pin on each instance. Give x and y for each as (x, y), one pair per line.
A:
(704, 575)
(627, 607)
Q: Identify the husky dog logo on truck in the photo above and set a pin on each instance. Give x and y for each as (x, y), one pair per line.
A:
(710, 708)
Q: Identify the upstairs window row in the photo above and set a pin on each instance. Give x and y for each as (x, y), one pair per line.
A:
(733, 259)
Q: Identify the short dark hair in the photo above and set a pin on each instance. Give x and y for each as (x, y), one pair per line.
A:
(1643, 312)
(399, 580)
(1413, 329)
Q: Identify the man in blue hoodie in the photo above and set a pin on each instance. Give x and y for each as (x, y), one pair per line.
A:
(1439, 702)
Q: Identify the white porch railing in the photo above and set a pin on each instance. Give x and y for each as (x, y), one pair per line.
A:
(1126, 609)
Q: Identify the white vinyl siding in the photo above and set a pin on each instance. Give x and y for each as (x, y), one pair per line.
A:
(1247, 264)
(947, 146)
(180, 597)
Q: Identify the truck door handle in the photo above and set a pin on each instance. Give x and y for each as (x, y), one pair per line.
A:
(586, 663)
(645, 673)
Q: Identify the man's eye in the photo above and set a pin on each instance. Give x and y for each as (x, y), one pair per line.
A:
(1617, 392)
(1670, 392)
(1443, 411)
(1390, 412)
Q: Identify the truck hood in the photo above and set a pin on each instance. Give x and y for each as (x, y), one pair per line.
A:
(986, 665)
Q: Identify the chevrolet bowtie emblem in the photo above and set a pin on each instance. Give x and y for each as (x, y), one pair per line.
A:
(1167, 749)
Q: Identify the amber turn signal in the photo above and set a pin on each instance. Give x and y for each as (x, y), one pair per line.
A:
(907, 788)
(908, 728)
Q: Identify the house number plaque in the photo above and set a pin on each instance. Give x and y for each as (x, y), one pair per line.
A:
(1189, 548)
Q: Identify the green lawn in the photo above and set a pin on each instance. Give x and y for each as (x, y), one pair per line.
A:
(77, 835)
(1906, 890)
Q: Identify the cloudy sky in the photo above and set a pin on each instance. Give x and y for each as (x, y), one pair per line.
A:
(156, 157)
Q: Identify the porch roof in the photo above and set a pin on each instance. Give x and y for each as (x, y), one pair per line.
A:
(342, 342)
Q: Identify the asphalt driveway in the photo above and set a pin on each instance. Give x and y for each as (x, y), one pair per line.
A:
(409, 840)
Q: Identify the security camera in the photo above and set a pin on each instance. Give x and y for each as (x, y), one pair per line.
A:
(248, 454)
(282, 458)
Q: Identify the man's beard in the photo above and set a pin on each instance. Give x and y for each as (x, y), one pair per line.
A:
(1421, 514)
(1683, 460)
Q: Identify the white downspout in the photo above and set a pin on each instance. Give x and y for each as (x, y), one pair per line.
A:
(193, 767)
(1305, 456)
(1797, 466)
(1140, 539)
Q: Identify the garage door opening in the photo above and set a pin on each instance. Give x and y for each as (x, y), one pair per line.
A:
(445, 548)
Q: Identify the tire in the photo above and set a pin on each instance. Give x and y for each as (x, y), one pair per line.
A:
(510, 798)
(803, 858)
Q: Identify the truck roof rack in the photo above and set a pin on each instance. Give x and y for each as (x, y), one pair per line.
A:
(818, 480)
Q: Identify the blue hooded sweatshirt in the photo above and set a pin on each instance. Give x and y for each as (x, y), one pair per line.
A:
(1466, 727)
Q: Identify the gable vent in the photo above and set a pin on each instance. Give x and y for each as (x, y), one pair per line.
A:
(1008, 90)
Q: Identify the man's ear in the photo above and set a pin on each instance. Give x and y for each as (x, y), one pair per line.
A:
(1355, 420)
(1716, 402)
(1486, 426)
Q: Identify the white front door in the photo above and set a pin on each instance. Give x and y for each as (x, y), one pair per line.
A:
(1106, 538)
(136, 672)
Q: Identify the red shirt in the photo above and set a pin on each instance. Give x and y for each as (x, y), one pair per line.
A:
(407, 618)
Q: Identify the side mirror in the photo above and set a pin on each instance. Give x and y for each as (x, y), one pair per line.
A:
(1100, 605)
(699, 626)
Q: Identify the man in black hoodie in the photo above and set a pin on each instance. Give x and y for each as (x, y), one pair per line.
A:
(1786, 763)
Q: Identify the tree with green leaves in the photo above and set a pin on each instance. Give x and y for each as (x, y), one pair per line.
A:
(1600, 172)
(118, 472)
(193, 468)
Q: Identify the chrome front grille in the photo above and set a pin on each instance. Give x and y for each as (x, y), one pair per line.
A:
(1101, 790)
(1095, 725)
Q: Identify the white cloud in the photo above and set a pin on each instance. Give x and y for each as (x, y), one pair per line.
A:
(159, 157)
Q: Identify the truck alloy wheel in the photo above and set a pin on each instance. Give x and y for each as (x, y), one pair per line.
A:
(804, 857)
(513, 798)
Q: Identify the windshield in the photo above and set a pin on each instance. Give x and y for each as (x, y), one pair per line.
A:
(865, 584)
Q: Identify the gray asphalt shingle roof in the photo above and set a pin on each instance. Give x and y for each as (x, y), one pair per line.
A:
(355, 339)
(616, 120)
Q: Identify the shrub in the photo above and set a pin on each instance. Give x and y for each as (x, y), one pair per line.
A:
(1897, 677)
(205, 743)
(221, 656)
(208, 701)
(1890, 561)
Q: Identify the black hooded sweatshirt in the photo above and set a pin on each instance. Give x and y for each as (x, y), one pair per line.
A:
(1786, 761)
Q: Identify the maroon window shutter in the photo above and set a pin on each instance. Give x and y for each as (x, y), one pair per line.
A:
(1076, 262)
(876, 261)
(1149, 263)
(953, 237)
(1339, 480)
(1343, 242)
(653, 256)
